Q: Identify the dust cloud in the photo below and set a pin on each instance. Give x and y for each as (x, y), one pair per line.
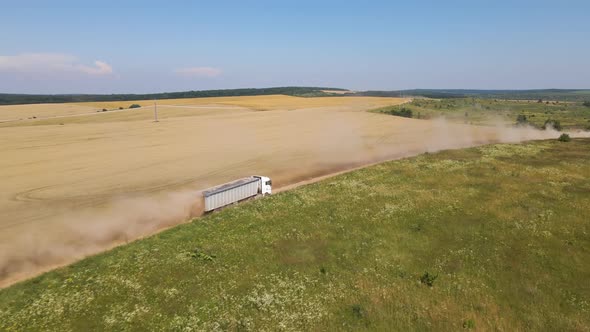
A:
(101, 185)
(431, 136)
(121, 221)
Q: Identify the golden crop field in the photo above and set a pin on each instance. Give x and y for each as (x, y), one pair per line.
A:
(10, 113)
(263, 103)
(76, 182)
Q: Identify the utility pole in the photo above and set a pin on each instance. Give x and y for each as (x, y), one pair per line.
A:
(155, 111)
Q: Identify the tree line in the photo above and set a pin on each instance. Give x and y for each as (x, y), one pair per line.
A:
(14, 99)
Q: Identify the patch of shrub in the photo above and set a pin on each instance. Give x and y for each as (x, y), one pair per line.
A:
(521, 119)
(417, 227)
(403, 112)
(120, 107)
(586, 103)
(135, 106)
(428, 279)
(198, 253)
(469, 324)
(555, 124)
(357, 310)
(564, 138)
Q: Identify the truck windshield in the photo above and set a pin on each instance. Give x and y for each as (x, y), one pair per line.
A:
(269, 182)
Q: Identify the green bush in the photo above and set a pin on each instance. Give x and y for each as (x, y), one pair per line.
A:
(428, 279)
(357, 311)
(404, 112)
(521, 119)
(135, 106)
(198, 253)
(586, 103)
(555, 124)
(564, 138)
(469, 324)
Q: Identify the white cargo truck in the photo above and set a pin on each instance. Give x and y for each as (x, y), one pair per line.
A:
(236, 191)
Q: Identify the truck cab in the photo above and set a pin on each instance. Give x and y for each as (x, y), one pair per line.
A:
(265, 185)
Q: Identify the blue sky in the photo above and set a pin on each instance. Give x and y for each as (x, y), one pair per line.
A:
(155, 46)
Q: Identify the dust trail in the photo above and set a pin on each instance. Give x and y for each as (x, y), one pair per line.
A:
(439, 135)
(289, 154)
(123, 220)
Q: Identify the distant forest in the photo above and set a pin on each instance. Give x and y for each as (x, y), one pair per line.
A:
(13, 99)
(547, 94)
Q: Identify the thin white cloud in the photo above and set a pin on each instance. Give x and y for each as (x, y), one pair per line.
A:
(199, 72)
(100, 68)
(47, 63)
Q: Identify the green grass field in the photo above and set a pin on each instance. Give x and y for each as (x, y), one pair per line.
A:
(572, 115)
(503, 228)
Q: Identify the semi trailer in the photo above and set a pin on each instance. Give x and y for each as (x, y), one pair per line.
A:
(236, 191)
